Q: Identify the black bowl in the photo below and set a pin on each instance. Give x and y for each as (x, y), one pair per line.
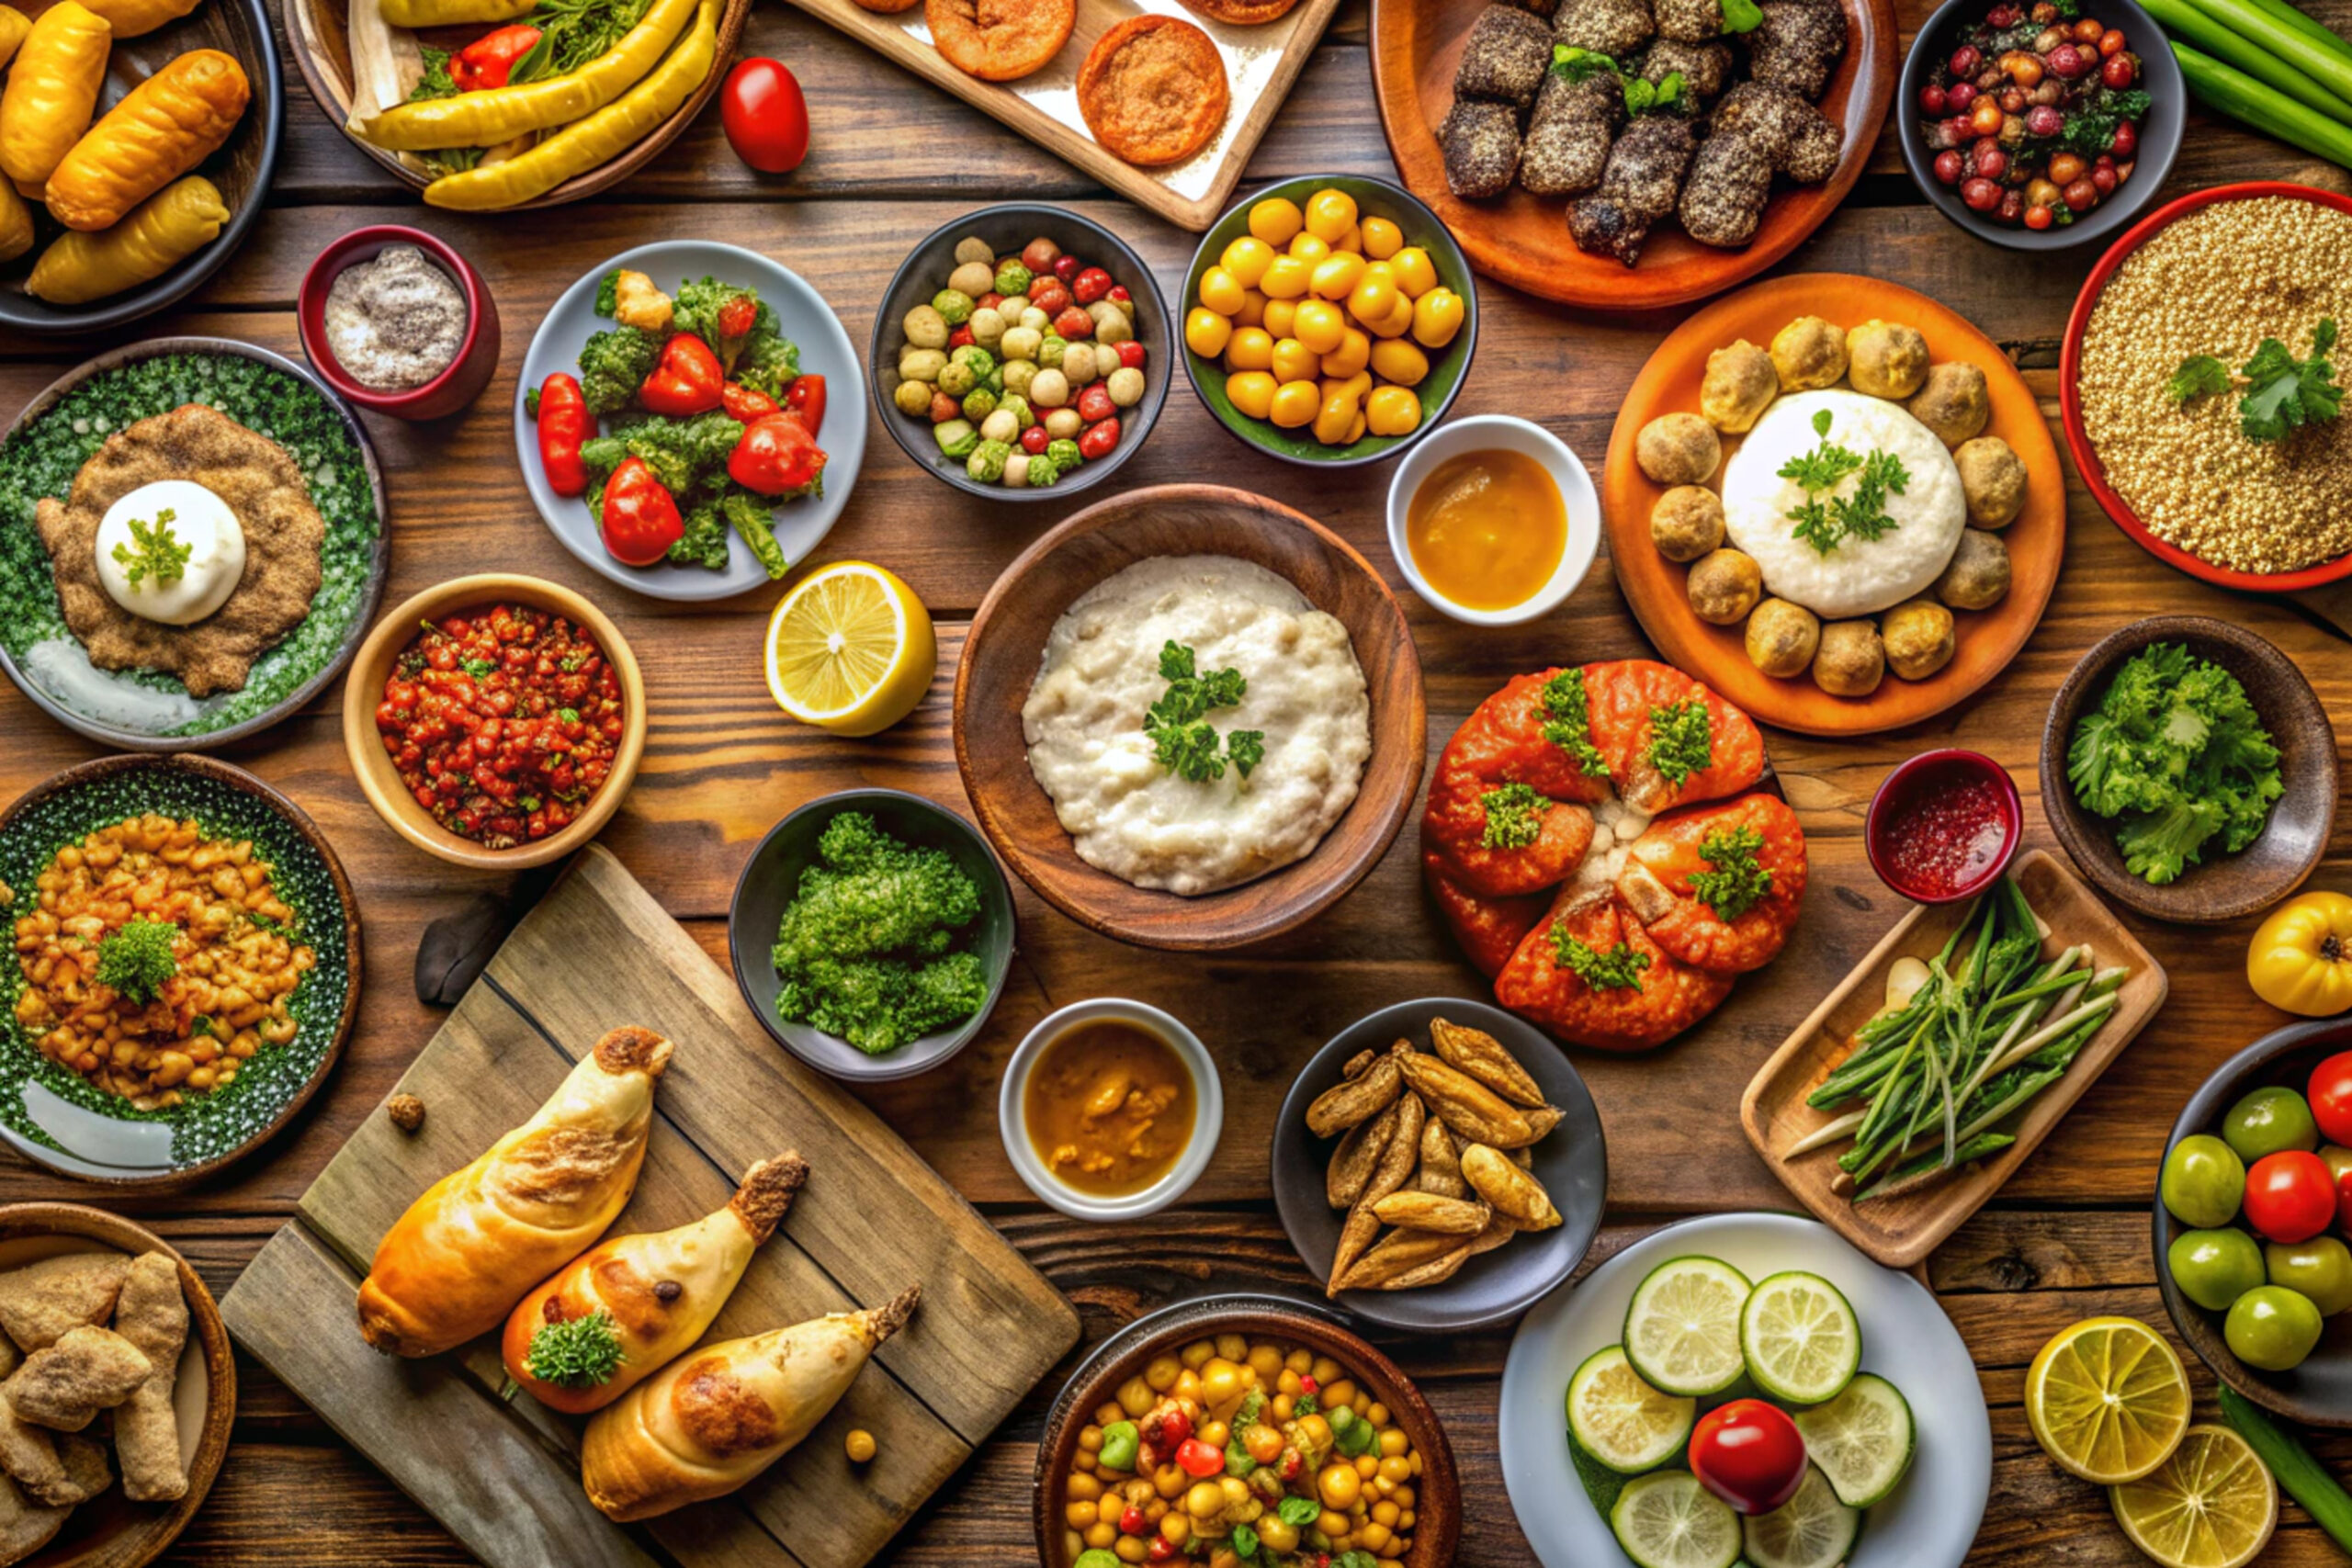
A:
(1572, 1163)
(2160, 132)
(772, 876)
(2318, 1393)
(1007, 228)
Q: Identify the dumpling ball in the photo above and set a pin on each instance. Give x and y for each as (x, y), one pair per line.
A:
(1886, 359)
(1781, 638)
(1724, 586)
(1851, 661)
(1686, 521)
(1918, 638)
(1978, 577)
(1955, 402)
(1992, 476)
(1740, 384)
(1677, 449)
(1809, 353)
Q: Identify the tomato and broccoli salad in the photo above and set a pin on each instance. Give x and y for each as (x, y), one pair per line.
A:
(707, 424)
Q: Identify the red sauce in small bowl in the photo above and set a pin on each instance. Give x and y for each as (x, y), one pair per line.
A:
(1943, 826)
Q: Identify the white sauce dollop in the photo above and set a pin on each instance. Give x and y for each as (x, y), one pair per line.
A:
(198, 520)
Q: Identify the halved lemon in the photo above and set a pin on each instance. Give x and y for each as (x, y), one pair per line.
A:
(2107, 1399)
(849, 649)
(2212, 1505)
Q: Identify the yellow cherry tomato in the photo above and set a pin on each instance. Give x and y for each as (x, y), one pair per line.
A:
(1278, 317)
(1252, 348)
(1331, 421)
(1275, 220)
(1206, 332)
(1380, 238)
(1351, 240)
(1308, 248)
(1336, 274)
(1392, 411)
(1339, 1485)
(1319, 325)
(1395, 359)
(1415, 274)
(1356, 386)
(1293, 361)
(1330, 214)
(1221, 291)
(1253, 308)
(1399, 321)
(2301, 961)
(1285, 279)
(1372, 300)
(1437, 316)
(1356, 427)
(1295, 403)
(1352, 354)
(1247, 258)
(1253, 393)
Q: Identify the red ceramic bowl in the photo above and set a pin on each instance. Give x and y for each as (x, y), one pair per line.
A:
(2071, 403)
(1922, 776)
(467, 374)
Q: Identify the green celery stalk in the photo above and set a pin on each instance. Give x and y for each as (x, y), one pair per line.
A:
(2300, 1474)
(2325, 66)
(2185, 21)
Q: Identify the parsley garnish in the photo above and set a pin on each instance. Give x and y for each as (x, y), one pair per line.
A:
(1514, 817)
(152, 552)
(477, 668)
(2199, 375)
(2090, 129)
(1681, 740)
(2282, 393)
(1619, 969)
(1735, 883)
(568, 716)
(1580, 64)
(1184, 742)
(1742, 15)
(1643, 95)
(1570, 725)
(437, 81)
(581, 1352)
(1823, 519)
(137, 961)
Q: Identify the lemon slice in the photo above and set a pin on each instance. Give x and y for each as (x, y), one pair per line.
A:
(1682, 1328)
(2212, 1505)
(2107, 1399)
(849, 649)
(1800, 1339)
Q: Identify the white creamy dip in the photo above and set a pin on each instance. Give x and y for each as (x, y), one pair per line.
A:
(395, 322)
(1859, 576)
(1084, 724)
(178, 513)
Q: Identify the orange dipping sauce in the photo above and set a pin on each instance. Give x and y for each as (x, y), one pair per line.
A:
(1109, 1108)
(1487, 529)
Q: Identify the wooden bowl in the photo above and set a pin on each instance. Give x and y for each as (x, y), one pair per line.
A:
(136, 1154)
(1438, 1500)
(2318, 1393)
(1522, 240)
(2225, 886)
(1718, 655)
(380, 781)
(1006, 645)
(321, 43)
(111, 1530)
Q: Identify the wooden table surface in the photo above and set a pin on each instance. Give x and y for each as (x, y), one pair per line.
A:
(2069, 1237)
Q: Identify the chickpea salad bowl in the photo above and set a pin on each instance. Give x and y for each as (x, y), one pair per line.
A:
(1044, 374)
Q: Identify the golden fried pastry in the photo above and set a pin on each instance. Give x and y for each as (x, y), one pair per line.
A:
(77, 1290)
(25, 1525)
(66, 1386)
(1242, 13)
(888, 7)
(153, 1314)
(28, 1456)
(1153, 90)
(1000, 40)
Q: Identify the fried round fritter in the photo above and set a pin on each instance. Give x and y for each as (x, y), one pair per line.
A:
(1243, 12)
(1000, 40)
(1153, 90)
(888, 7)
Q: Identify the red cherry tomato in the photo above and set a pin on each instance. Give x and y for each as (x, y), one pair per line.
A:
(1094, 403)
(1749, 1455)
(1036, 439)
(2330, 1098)
(1199, 1460)
(1131, 354)
(2343, 1200)
(1073, 324)
(1098, 440)
(1090, 285)
(765, 117)
(2289, 1196)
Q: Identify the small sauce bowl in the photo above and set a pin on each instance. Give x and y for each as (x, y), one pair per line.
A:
(1495, 431)
(465, 375)
(1927, 823)
(1208, 1111)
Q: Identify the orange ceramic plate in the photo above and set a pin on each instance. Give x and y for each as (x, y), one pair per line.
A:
(1718, 655)
(1522, 240)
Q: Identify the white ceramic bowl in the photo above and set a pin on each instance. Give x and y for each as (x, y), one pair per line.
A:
(1208, 1114)
(1488, 431)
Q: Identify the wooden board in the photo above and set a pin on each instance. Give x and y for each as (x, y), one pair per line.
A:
(1901, 1232)
(1261, 64)
(597, 952)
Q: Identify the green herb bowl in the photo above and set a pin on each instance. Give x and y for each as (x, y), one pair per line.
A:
(771, 878)
(1449, 367)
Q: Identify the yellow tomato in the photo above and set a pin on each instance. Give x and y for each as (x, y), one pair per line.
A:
(1332, 420)
(1253, 308)
(1308, 248)
(1319, 325)
(1396, 360)
(1380, 238)
(1392, 411)
(1295, 403)
(1372, 300)
(1399, 321)
(1275, 220)
(1293, 361)
(1330, 214)
(1415, 275)
(1336, 274)
(1356, 427)
(1279, 318)
(2301, 958)
(1285, 279)
(1351, 240)
(1206, 332)
(1247, 258)
(1339, 1484)
(1352, 354)
(1221, 291)
(1252, 348)
(1437, 316)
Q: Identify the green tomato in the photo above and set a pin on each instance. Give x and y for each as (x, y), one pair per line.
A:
(1120, 1442)
(2320, 1269)
(2338, 1160)
(2272, 1327)
(2214, 1268)
(2204, 1181)
(2268, 1120)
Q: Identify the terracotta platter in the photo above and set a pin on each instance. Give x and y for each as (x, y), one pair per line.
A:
(1718, 655)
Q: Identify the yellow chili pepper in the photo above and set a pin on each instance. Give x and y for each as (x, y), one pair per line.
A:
(494, 115)
(451, 12)
(51, 90)
(14, 25)
(154, 237)
(163, 128)
(131, 18)
(580, 147)
(16, 224)
(2300, 959)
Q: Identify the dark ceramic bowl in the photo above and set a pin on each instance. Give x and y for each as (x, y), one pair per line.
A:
(2226, 886)
(1928, 772)
(771, 878)
(1572, 1163)
(1437, 1531)
(1007, 228)
(465, 375)
(1449, 367)
(2318, 1393)
(2160, 131)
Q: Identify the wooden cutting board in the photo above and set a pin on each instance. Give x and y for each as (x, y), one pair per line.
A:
(503, 1476)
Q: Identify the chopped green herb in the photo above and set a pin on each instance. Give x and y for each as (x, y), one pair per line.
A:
(2199, 375)
(568, 716)
(1301, 1511)
(1570, 725)
(152, 552)
(1580, 64)
(477, 668)
(1824, 519)
(1742, 15)
(1514, 817)
(1735, 883)
(2090, 128)
(1681, 740)
(581, 1352)
(1184, 742)
(1618, 969)
(437, 81)
(2281, 393)
(137, 961)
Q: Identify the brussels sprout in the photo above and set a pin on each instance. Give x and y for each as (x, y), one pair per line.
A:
(1022, 342)
(988, 327)
(954, 306)
(972, 248)
(979, 404)
(956, 437)
(1081, 364)
(912, 396)
(921, 364)
(956, 379)
(1064, 454)
(993, 380)
(1011, 277)
(1126, 385)
(987, 462)
(1051, 352)
(1050, 389)
(973, 278)
(1020, 408)
(1041, 472)
(1061, 422)
(978, 358)
(1000, 425)
(925, 327)
(1018, 374)
(1016, 470)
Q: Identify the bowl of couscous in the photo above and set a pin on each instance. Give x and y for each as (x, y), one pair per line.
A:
(1243, 1429)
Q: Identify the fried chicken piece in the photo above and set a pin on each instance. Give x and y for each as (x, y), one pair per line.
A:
(1481, 146)
(1568, 136)
(1797, 45)
(153, 1317)
(1506, 58)
(25, 1527)
(76, 1290)
(1639, 186)
(66, 1386)
(1613, 28)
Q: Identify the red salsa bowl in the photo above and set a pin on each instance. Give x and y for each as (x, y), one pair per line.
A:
(1943, 826)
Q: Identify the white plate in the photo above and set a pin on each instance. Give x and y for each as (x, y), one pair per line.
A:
(801, 314)
(1929, 1523)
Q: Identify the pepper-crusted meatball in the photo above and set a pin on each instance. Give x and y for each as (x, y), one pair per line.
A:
(1978, 577)
(1689, 21)
(1724, 203)
(1677, 449)
(1993, 478)
(1724, 586)
(1886, 359)
(1638, 185)
(1481, 146)
(1740, 384)
(1797, 45)
(1955, 402)
(1568, 135)
(1808, 353)
(1687, 523)
(1703, 67)
(1505, 57)
(1613, 28)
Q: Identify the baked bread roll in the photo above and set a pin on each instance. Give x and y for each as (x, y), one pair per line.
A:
(657, 1293)
(453, 1266)
(709, 1422)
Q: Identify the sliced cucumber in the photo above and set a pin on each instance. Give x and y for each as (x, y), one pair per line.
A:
(1622, 1421)
(1812, 1529)
(1682, 1328)
(1801, 1339)
(1669, 1520)
(1863, 1440)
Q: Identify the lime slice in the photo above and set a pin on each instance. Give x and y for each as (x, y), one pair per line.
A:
(1682, 1329)
(1800, 1338)
(1812, 1529)
(1861, 1439)
(2211, 1504)
(1622, 1421)
(2107, 1399)
(1669, 1520)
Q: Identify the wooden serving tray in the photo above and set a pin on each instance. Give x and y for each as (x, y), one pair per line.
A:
(1261, 64)
(1900, 1231)
(503, 1475)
